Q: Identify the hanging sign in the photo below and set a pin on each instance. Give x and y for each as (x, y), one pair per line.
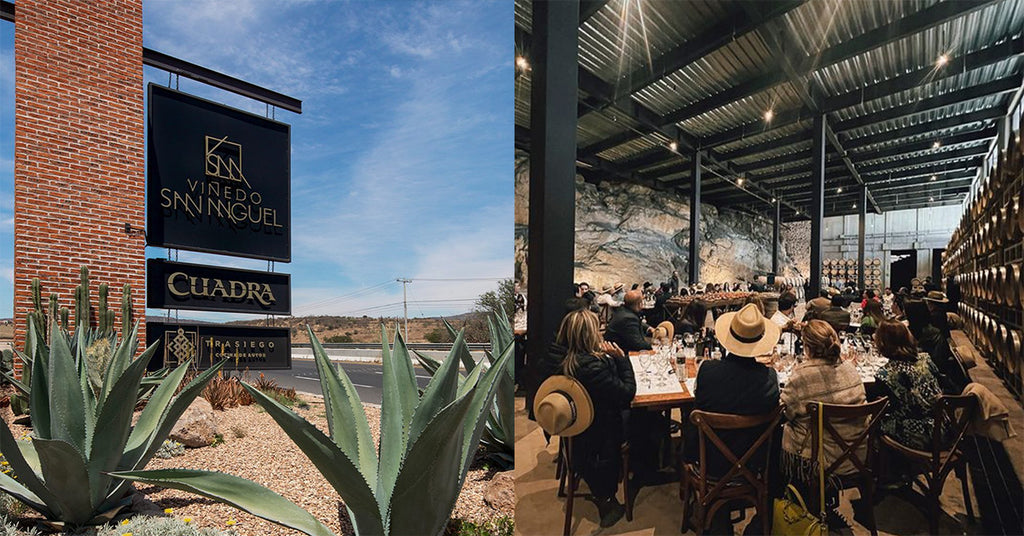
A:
(218, 178)
(245, 347)
(178, 285)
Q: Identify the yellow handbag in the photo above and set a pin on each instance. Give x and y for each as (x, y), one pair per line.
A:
(789, 514)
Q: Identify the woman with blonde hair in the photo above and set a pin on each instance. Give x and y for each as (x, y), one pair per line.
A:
(821, 377)
(606, 373)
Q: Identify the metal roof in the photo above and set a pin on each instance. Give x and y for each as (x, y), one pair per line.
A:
(712, 68)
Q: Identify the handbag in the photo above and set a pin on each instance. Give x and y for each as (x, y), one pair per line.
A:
(790, 516)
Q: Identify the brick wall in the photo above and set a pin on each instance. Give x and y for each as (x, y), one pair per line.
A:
(79, 161)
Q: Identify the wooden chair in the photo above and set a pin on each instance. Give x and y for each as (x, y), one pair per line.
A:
(865, 477)
(952, 415)
(710, 494)
(568, 480)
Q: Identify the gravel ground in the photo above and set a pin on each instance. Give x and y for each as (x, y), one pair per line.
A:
(266, 455)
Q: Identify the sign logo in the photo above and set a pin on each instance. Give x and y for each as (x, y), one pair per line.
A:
(224, 160)
(181, 346)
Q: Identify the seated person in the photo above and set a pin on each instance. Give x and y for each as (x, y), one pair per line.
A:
(784, 318)
(737, 383)
(930, 339)
(908, 379)
(816, 305)
(821, 377)
(607, 375)
(836, 315)
(696, 312)
(625, 327)
(873, 317)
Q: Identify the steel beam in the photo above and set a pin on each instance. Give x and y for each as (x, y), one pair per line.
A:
(924, 145)
(938, 156)
(553, 98)
(862, 208)
(817, 211)
(776, 221)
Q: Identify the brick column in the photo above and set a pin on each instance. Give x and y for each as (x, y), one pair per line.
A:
(79, 172)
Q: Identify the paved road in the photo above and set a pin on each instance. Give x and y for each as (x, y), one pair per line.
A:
(367, 378)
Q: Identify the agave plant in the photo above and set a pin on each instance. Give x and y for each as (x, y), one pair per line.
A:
(80, 434)
(408, 485)
(498, 438)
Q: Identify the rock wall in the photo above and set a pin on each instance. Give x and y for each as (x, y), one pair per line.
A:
(631, 233)
(797, 238)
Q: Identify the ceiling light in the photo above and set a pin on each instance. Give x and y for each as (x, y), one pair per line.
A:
(739, 181)
(855, 205)
(931, 199)
(933, 178)
(773, 200)
(768, 115)
(942, 61)
(839, 190)
(937, 144)
(521, 63)
(673, 146)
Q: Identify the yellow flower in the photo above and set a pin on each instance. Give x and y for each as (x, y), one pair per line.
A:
(126, 534)
(168, 510)
(124, 521)
(187, 519)
(3, 462)
(231, 522)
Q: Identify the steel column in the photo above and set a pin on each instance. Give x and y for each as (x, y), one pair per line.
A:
(817, 211)
(862, 207)
(775, 237)
(693, 269)
(554, 63)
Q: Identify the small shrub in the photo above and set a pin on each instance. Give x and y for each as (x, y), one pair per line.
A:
(339, 338)
(226, 392)
(436, 336)
(499, 526)
(9, 529)
(238, 430)
(170, 449)
(218, 439)
(160, 526)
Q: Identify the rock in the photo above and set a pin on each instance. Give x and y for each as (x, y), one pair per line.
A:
(500, 493)
(632, 233)
(197, 426)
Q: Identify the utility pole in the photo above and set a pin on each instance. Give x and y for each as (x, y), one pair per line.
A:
(405, 306)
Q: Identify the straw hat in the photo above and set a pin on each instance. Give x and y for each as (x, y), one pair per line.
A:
(563, 407)
(747, 333)
(607, 289)
(936, 296)
(665, 330)
(618, 286)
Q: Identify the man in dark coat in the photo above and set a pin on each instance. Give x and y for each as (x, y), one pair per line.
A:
(836, 315)
(626, 328)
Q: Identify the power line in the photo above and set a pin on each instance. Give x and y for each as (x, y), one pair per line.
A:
(461, 279)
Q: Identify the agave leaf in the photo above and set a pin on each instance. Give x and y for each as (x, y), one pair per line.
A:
(21, 387)
(31, 457)
(238, 492)
(39, 398)
(428, 363)
(115, 422)
(64, 469)
(471, 380)
(504, 405)
(14, 488)
(428, 484)
(346, 419)
(480, 410)
(463, 351)
(29, 477)
(67, 405)
(120, 359)
(177, 407)
(451, 330)
(154, 410)
(439, 393)
(406, 375)
(336, 467)
(393, 432)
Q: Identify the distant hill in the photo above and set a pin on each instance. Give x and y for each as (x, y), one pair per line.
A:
(365, 329)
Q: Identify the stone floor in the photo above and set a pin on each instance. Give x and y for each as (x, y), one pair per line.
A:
(657, 509)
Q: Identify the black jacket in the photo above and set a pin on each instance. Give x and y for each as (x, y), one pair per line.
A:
(626, 330)
(612, 386)
(736, 385)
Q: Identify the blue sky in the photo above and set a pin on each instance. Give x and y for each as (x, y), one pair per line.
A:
(401, 159)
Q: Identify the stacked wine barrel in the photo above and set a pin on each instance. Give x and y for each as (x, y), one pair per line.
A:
(985, 257)
(843, 269)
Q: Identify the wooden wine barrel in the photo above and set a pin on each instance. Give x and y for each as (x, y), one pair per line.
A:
(1000, 288)
(1016, 349)
(1013, 284)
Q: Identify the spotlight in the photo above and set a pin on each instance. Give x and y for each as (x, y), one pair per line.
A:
(942, 60)
(768, 115)
(522, 63)
(739, 181)
(673, 146)
(839, 190)
(933, 178)
(773, 200)
(855, 205)
(930, 199)
(937, 144)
